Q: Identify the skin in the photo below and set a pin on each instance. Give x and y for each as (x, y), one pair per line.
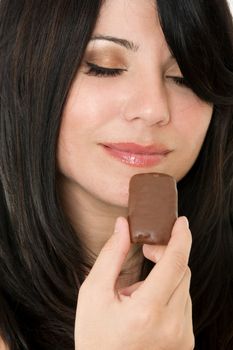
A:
(3, 346)
(143, 105)
(154, 314)
(144, 102)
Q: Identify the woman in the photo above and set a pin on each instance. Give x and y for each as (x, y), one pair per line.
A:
(85, 88)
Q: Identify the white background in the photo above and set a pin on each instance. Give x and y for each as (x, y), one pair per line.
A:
(231, 5)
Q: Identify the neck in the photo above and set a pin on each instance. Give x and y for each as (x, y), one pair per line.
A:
(93, 220)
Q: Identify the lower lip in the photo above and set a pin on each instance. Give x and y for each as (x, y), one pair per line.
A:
(136, 160)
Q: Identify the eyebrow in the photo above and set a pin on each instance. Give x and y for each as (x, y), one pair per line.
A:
(130, 45)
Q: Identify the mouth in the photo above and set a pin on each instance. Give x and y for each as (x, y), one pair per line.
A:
(136, 155)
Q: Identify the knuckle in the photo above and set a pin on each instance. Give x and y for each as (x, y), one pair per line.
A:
(145, 318)
(190, 301)
(141, 318)
(192, 342)
(188, 273)
(175, 333)
(180, 261)
(176, 329)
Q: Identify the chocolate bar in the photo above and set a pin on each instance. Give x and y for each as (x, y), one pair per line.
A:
(152, 208)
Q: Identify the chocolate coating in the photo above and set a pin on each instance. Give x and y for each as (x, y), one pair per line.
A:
(152, 208)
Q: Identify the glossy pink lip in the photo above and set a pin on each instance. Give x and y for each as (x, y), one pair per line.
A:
(137, 155)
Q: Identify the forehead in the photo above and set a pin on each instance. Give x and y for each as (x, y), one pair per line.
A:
(126, 15)
(134, 20)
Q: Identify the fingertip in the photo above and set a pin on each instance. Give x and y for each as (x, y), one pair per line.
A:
(121, 232)
(185, 221)
(112, 256)
(181, 230)
(120, 224)
(181, 221)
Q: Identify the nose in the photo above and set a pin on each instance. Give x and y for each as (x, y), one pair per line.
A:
(148, 102)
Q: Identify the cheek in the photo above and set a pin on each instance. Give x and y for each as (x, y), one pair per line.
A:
(87, 108)
(190, 126)
(86, 111)
(190, 115)
(196, 128)
(85, 117)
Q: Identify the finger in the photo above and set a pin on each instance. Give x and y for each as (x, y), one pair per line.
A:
(153, 252)
(169, 271)
(108, 265)
(189, 308)
(129, 290)
(189, 319)
(178, 300)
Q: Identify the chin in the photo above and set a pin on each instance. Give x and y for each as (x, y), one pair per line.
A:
(115, 199)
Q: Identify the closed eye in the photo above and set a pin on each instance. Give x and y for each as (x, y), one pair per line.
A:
(99, 71)
(180, 81)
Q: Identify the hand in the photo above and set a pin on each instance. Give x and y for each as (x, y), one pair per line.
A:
(154, 314)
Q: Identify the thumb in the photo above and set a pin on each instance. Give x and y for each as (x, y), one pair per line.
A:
(107, 267)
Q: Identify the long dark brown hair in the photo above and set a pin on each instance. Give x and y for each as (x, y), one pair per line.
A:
(42, 262)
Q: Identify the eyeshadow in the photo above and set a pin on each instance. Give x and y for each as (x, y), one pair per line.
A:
(107, 57)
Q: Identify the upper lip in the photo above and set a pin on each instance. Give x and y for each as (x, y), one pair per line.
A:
(135, 148)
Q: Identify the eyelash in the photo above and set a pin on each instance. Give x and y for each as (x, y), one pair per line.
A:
(99, 71)
(102, 71)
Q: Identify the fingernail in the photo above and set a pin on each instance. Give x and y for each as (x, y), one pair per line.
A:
(118, 225)
(186, 221)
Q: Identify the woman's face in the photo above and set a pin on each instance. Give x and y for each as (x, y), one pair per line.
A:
(128, 93)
